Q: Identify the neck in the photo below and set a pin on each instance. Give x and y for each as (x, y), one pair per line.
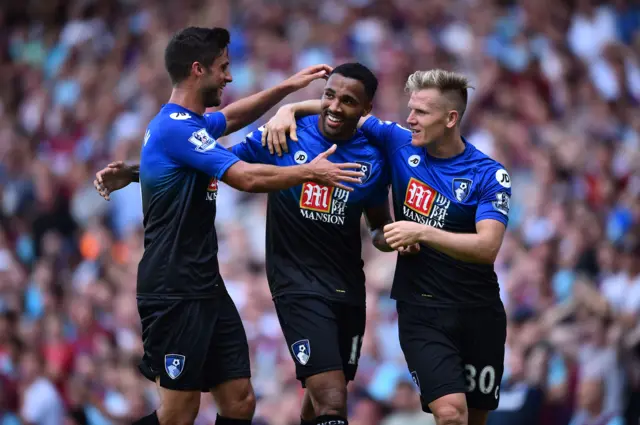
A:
(449, 146)
(187, 98)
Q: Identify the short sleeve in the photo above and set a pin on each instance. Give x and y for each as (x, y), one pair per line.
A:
(380, 194)
(251, 149)
(199, 150)
(495, 196)
(216, 124)
(386, 135)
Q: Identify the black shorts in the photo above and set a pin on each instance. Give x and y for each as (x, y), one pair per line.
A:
(322, 335)
(193, 345)
(454, 350)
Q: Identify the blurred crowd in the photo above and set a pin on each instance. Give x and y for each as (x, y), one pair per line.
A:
(556, 101)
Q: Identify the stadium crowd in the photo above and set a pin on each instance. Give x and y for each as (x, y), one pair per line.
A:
(556, 101)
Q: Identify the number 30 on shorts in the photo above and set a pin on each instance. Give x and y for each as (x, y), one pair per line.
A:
(484, 381)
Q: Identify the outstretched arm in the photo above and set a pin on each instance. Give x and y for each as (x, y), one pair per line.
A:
(248, 177)
(243, 112)
(266, 178)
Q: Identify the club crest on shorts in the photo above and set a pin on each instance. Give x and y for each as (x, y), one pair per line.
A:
(461, 189)
(365, 167)
(414, 376)
(174, 365)
(302, 351)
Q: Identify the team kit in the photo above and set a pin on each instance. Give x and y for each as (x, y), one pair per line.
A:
(445, 222)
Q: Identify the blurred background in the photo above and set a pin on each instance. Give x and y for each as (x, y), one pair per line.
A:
(556, 101)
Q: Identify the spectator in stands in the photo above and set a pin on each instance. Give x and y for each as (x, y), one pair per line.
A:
(41, 403)
(591, 406)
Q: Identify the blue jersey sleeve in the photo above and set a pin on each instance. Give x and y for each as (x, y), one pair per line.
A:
(200, 151)
(495, 197)
(216, 124)
(251, 149)
(386, 135)
(380, 194)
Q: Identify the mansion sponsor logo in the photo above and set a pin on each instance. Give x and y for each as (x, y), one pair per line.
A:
(425, 205)
(323, 203)
(212, 190)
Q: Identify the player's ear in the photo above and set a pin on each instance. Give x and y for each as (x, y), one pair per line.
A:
(452, 118)
(197, 69)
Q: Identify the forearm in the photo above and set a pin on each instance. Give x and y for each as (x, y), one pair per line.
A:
(304, 108)
(269, 178)
(469, 247)
(377, 236)
(245, 111)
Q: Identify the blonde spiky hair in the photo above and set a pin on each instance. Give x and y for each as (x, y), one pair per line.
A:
(451, 84)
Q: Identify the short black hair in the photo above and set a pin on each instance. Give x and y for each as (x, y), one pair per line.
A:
(358, 71)
(193, 44)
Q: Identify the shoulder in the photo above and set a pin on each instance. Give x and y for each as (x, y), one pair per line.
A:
(171, 124)
(399, 133)
(166, 128)
(491, 171)
(362, 145)
(306, 123)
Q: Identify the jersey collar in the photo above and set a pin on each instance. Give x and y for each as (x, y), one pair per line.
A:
(467, 149)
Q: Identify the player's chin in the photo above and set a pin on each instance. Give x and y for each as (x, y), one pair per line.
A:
(213, 102)
(419, 139)
(333, 130)
(212, 98)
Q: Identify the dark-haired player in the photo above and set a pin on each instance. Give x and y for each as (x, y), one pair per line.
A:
(193, 337)
(454, 201)
(314, 264)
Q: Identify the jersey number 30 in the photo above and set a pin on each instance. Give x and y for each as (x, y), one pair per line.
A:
(484, 381)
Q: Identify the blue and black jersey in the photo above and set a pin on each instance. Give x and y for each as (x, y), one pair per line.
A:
(180, 166)
(451, 194)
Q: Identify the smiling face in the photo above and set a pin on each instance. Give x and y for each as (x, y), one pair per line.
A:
(431, 114)
(343, 103)
(211, 80)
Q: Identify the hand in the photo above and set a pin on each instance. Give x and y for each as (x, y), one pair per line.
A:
(331, 174)
(275, 131)
(403, 234)
(113, 177)
(306, 76)
(409, 250)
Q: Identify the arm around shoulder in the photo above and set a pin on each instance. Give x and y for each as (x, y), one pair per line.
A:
(268, 178)
(265, 178)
